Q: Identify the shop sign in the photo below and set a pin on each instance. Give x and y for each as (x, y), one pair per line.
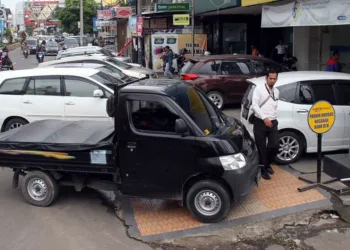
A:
(254, 2)
(173, 7)
(306, 13)
(139, 26)
(181, 20)
(123, 12)
(104, 14)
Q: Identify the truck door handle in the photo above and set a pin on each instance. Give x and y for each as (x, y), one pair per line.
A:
(303, 111)
(27, 102)
(131, 145)
(70, 103)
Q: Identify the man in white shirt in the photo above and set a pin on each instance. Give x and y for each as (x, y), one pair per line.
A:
(281, 51)
(264, 105)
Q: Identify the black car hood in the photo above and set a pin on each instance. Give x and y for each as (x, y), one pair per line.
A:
(231, 139)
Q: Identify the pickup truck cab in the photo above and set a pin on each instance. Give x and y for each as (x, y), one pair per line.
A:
(168, 141)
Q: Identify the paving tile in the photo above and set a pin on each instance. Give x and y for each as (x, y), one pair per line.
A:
(155, 217)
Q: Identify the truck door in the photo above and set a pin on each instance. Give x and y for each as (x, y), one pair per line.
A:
(154, 160)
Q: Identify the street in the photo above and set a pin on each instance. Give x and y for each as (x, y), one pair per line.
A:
(76, 221)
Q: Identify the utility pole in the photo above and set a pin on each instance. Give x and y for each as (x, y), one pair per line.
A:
(81, 23)
(192, 20)
(139, 40)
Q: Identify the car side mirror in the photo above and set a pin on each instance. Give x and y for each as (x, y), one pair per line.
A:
(98, 93)
(181, 127)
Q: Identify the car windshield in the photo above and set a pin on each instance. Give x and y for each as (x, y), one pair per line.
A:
(70, 41)
(114, 72)
(31, 42)
(106, 52)
(198, 107)
(55, 45)
(118, 63)
(106, 79)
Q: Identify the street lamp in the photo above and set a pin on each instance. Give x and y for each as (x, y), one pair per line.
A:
(81, 22)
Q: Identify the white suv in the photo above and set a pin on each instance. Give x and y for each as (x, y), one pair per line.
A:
(298, 92)
(53, 93)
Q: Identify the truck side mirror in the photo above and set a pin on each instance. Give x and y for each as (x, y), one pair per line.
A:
(180, 127)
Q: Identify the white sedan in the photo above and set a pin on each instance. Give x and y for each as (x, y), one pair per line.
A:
(298, 92)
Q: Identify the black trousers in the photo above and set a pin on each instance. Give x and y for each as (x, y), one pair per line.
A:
(267, 153)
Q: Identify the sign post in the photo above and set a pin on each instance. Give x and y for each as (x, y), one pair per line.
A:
(321, 118)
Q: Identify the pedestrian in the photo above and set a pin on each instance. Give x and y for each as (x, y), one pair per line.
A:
(333, 63)
(255, 51)
(264, 105)
(169, 56)
(281, 51)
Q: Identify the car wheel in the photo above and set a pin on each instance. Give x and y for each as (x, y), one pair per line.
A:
(208, 201)
(217, 98)
(15, 123)
(39, 188)
(291, 148)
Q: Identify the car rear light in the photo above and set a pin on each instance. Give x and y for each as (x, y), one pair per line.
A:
(189, 77)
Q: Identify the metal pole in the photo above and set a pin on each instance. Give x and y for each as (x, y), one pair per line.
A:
(139, 40)
(2, 27)
(81, 23)
(192, 20)
(319, 157)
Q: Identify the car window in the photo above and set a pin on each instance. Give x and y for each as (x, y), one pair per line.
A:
(314, 91)
(344, 92)
(248, 96)
(79, 88)
(288, 92)
(261, 67)
(234, 68)
(44, 86)
(12, 86)
(152, 117)
(207, 69)
(188, 67)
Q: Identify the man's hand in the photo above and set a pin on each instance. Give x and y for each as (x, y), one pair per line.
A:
(268, 123)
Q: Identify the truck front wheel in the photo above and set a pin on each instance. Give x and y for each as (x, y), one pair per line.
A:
(209, 201)
(39, 188)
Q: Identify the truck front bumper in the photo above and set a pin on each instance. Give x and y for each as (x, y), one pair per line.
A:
(242, 181)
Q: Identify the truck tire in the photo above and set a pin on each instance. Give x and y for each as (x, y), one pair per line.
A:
(15, 123)
(208, 201)
(39, 188)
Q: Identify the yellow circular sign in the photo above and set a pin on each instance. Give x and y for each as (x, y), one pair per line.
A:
(321, 117)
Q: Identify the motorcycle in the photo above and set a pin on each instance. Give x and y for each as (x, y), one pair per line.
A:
(181, 59)
(289, 62)
(41, 56)
(25, 53)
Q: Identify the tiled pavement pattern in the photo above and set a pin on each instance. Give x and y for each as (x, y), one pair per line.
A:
(157, 217)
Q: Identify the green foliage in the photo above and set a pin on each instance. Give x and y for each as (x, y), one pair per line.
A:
(8, 35)
(70, 15)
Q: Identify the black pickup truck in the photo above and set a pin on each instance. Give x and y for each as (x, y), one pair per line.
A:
(167, 141)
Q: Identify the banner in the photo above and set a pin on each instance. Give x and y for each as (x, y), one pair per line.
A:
(104, 14)
(254, 2)
(176, 42)
(306, 13)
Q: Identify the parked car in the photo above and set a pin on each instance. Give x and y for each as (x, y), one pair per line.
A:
(298, 92)
(110, 70)
(223, 77)
(76, 51)
(52, 93)
(85, 40)
(32, 43)
(127, 69)
(52, 48)
(70, 43)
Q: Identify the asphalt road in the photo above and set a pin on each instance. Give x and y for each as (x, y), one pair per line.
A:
(76, 221)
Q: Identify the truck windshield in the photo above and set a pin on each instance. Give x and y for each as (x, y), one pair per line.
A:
(199, 108)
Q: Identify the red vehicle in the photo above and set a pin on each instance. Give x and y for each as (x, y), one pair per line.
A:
(223, 77)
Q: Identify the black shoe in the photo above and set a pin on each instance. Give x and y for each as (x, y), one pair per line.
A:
(265, 175)
(270, 170)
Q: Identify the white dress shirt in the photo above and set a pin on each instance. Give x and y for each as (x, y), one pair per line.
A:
(269, 110)
(281, 49)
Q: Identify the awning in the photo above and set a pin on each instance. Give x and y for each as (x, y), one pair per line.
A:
(306, 13)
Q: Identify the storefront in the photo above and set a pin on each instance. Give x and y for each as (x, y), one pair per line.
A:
(320, 28)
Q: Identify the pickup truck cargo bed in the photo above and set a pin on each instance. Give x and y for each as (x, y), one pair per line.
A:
(56, 144)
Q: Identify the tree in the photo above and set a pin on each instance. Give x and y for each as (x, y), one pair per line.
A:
(8, 35)
(70, 15)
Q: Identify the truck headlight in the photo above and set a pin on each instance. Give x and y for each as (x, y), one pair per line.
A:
(233, 162)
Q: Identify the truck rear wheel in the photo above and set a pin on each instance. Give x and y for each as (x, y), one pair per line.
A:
(39, 188)
(209, 201)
